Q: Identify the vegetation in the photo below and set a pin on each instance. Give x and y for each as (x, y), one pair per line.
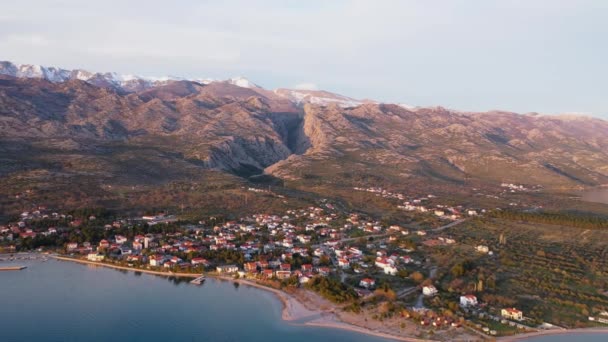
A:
(332, 289)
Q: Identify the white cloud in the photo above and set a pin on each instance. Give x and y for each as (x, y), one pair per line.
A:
(306, 86)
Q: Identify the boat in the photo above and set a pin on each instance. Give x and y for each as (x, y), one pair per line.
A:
(198, 280)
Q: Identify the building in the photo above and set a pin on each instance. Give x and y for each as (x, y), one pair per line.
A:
(227, 269)
(138, 246)
(251, 267)
(95, 257)
(367, 283)
(468, 300)
(147, 241)
(429, 290)
(482, 249)
(283, 274)
(199, 261)
(120, 239)
(156, 260)
(512, 313)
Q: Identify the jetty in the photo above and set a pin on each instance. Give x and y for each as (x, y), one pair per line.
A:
(198, 280)
(12, 268)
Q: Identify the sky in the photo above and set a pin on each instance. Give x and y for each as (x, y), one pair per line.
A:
(547, 56)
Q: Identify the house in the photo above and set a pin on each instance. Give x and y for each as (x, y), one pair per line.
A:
(138, 246)
(342, 262)
(307, 268)
(390, 270)
(429, 290)
(72, 246)
(156, 260)
(482, 249)
(468, 300)
(305, 278)
(227, 269)
(176, 259)
(95, 257)
(512, 313)
(199, 261)
(367, 283)
(383, 262)
(283, 274)
(120, 239)
(324, 271)
(285, 267)
(250, 267)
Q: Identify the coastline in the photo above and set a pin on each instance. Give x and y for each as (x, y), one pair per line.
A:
(524, 337)
(293, 309)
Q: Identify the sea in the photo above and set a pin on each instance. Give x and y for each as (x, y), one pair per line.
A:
(64, 301)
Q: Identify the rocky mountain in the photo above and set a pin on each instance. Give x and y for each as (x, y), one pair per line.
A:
(57, 123)
(133, 83)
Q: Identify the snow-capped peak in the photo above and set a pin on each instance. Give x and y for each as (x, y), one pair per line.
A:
(242, 82)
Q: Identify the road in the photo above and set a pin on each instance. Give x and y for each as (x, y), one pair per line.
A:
(354, 239)
(449, 225)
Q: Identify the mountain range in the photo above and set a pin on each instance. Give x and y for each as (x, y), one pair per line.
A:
(131, 130)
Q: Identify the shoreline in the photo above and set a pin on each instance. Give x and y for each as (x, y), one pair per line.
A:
(524, 337)
(293, 309)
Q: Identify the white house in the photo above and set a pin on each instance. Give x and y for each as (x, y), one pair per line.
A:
(120, 239)
(367, 283)
(482, 249)
(390, 270)
(156, 260)
(95, 257)
(429, 290)
(227, 269)
(468, 300)
(512, 313)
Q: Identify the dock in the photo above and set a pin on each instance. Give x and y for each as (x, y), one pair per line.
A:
(12, 268)
(198, 280)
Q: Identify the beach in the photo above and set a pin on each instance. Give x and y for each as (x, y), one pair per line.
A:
(319, 312)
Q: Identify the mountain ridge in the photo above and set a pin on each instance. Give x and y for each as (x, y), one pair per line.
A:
(180, 128)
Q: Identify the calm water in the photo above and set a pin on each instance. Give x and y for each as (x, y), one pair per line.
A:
(596, 195)
(570, 338)
(62, 301)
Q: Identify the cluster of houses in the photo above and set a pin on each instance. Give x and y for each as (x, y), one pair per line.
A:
(267, 243)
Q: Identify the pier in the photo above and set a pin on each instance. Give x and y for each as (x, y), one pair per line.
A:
(12, 268)
(198, 280)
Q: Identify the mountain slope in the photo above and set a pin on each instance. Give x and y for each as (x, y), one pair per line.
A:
(53, 129)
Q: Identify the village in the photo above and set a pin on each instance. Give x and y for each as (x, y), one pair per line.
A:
(296, 248)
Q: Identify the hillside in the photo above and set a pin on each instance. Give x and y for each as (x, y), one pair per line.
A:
(56, 129)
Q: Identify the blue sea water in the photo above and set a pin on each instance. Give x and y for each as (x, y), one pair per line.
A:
(62, 301)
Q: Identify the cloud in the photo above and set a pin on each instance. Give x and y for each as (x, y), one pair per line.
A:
(306, 86)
